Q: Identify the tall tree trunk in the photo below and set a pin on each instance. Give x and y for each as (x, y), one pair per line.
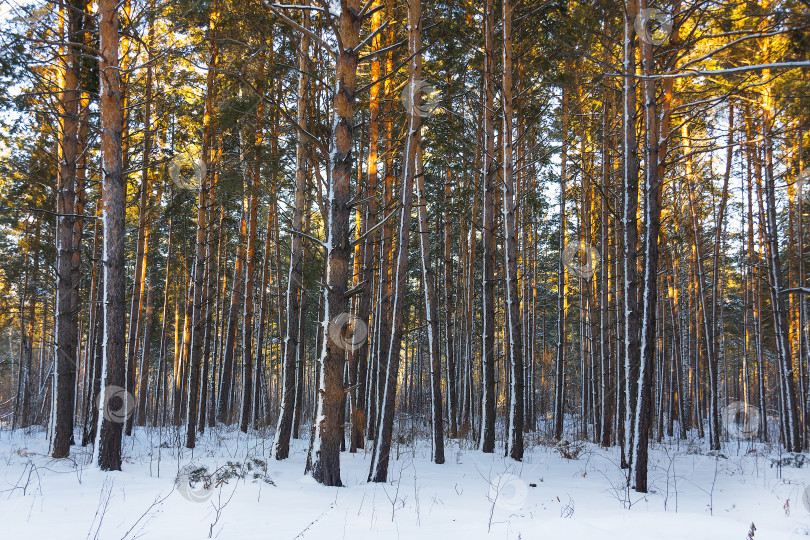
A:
(382, 443)
(160, 386)
(141, 253)
(714, 397)
(107, 450)
(513, 321)
(248, 374)
(204, 201)
(226, 379)
(631, 286)
(325, 454)
(281, 444)
(652, 220)
(366, 249)
(431, 315)
(66, 324)
(385, 319)
(198, 314)
(266, 279)
(487, 443)
(143, 370)
(711, 318)
(144, 209)
(708, 325)
(449, 334)
(784, 357)
(677, 346)
(212, 274)
(216, 325)
(92, 353)
(301, 355)
(182, 346)
(754, 261)
(562, 283)
(22, 408)
(607, 294)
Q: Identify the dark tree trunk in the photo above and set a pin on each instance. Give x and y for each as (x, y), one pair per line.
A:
(513, 321)
(652, 219)
(281, 444)
(490, 170)
(382, 443)
(429, 286)
(67, 316)
(631, 285)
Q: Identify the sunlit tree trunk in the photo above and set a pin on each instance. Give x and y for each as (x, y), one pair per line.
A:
(107, 450)
(607, 295)
(144, 226)
(248, 373)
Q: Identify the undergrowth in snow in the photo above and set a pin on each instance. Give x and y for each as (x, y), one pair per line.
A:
(228, 487)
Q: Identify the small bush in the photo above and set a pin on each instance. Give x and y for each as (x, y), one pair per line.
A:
(570, 450)
(796, 461)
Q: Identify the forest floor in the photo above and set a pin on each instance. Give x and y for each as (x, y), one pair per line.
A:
(228, 488)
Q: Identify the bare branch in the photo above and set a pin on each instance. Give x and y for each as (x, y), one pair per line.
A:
(300, 28)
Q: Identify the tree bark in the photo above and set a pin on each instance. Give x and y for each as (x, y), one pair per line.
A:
(325, 453)
(487, 442)
(66, 326)
(652, 220)
(107, 451)
(513, 321)
(631, 286)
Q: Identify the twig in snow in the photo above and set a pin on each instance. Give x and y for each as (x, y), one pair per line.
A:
(104, 502)
(314, 521)
(156, 502)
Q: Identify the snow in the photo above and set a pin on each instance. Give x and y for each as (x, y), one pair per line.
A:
(473, 495)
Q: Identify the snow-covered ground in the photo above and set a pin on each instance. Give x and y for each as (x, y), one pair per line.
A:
(473, 495)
